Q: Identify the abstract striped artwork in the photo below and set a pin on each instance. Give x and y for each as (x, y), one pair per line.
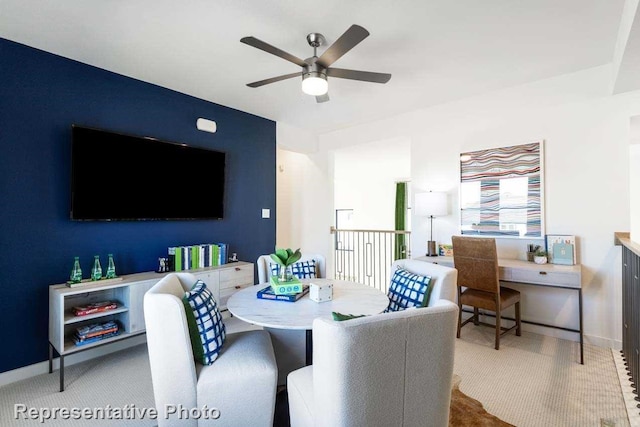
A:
(500, 191)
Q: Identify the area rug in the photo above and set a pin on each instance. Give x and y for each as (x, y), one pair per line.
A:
(468, 412)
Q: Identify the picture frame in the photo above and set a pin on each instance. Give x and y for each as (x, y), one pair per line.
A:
(445, 250)
(502, 192)
(561, 249)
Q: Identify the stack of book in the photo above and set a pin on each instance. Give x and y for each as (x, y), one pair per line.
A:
(96, 332)
(96, 307)
(192, 257)
(268, 293)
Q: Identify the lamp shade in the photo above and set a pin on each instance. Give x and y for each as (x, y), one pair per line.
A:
(431, 204)
(315, 86)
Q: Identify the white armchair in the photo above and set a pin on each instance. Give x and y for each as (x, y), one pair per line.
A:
(391, 369)
(289, 345)
(264, 271)
(241, 383)
(444, 280)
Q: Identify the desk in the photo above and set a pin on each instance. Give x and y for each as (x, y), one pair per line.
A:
(348, 297)
(529, 273)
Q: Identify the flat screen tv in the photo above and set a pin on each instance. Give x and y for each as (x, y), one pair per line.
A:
(117, 177)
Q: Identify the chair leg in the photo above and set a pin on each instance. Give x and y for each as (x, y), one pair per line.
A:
(518, 328)
(498, 329)
(459, 319)
(476, 316)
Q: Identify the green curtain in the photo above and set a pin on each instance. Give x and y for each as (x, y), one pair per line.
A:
(400, 249)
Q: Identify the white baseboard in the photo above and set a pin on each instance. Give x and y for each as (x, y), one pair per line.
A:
(562, 334)
(43, 367)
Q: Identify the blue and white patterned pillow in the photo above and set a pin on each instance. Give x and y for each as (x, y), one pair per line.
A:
(301, 269)
(206, 329)
(408, 290)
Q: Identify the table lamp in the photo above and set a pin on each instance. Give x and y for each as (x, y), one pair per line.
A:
(431, 204)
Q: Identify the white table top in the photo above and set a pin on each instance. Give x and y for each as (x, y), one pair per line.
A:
(348, 298)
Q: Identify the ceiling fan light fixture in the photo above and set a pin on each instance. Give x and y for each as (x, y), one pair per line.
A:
(315, 84)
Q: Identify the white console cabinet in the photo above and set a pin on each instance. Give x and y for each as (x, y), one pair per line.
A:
(128, 292)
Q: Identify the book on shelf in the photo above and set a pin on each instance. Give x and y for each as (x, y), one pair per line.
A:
(267, 293)
(95, 332)
(561, 249)
(95, 329)
(96, 307)
(77, 341)
(203, 255)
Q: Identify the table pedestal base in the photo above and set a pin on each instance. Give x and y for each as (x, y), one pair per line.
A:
(289, 347)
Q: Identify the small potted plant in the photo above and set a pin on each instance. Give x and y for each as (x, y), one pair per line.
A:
(540, 257)
(285, 258)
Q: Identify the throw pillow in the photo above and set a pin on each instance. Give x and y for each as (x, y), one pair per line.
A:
(206, 329)
(339, 317)
(408, 290)
(301, 269)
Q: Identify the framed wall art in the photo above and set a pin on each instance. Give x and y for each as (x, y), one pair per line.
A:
(501, 192)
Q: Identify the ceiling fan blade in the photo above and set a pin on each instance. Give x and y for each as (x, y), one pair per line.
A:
(322, 98)
(354, 35)
(366, 76)
(259, 44)
(273, 79)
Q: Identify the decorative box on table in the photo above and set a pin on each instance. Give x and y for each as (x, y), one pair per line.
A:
(320, 292)
(289, 287)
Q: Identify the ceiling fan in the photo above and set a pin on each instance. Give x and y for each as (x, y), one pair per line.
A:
(315, 70)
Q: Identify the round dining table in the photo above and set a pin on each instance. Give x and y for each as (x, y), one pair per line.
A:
(348, 298)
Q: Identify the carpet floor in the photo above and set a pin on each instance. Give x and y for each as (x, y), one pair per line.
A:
(533, 380)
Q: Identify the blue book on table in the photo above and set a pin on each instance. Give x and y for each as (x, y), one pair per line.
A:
(267, 293)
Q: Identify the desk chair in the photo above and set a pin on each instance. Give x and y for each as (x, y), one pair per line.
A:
(476, 260)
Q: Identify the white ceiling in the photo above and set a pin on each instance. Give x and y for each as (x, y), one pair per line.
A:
(437, 50)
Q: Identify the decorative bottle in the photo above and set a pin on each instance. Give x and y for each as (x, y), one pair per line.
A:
(76, 272)
(96, 271)
(111, 268)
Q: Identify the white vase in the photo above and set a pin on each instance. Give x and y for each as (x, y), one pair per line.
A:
(540, 259)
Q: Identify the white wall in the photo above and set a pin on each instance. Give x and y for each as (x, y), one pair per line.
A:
(586, 134)
(634, 183)
(365, 179)
(302, 197)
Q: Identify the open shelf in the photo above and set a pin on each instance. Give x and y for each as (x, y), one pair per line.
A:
(69, 317)
(70, 347)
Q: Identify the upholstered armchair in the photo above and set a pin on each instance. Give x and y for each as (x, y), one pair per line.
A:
(241, 382)
(443, 279)
(264, 270)
(391, 369)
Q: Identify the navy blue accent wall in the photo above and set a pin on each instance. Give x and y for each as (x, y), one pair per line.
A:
(41, 96)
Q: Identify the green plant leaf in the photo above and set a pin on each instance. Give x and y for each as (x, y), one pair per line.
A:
(282, 254)
(295, 256)
(276, 259)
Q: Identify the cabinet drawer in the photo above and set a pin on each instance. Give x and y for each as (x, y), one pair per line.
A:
(227, 292)
(237, 275)
(542, 277)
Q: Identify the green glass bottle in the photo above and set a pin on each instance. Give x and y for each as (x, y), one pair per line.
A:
(96, 271)
(76, 271)
(111, 268)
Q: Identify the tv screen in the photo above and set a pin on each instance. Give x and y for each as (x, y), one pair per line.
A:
(118, 177)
